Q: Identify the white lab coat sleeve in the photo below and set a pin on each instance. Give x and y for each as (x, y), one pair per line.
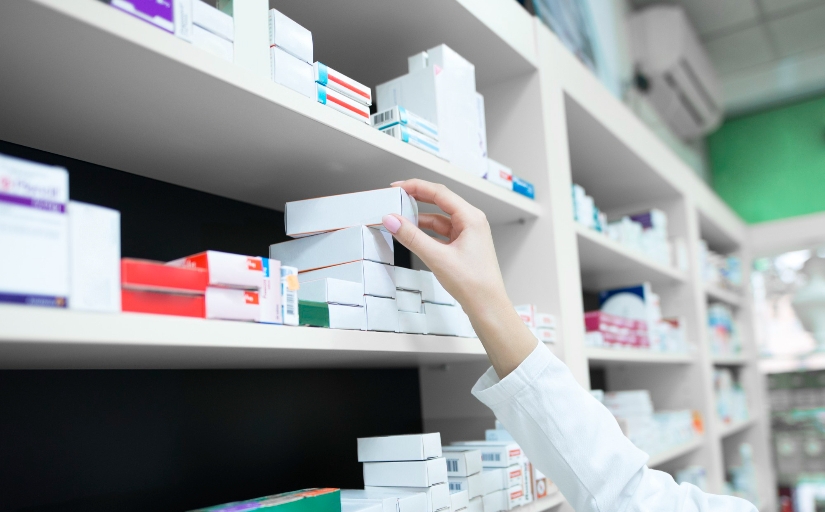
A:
(576, 442)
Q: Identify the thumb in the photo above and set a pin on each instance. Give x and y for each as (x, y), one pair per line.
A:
(411, 237)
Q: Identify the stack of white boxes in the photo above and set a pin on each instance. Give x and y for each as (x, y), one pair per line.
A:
(425, 307)
(404, 464)
(440, 87)
(290, 52)
(213, 30)
(502, 480)
(542, 486)
(342, 93)
(465, 476)
(408, 127)
(542, 325)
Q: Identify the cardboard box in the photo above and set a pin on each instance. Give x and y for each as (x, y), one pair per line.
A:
(34, 244)
(527, 312)
(382, 314)
(526, 481)
(413, 138)
(499, 174)
(332, 291)
(212, 20)
(459, 500)
(290, 71)
(408, 301)
(540, 486)
(335, 248)
(523, 187)
(136, 301)
(473, 484)
(377, 279)
(407, 279)
(495, 454)
(251, 33)
(341, 83)
(209, 42)
(504, 478)
(290, 36)
(505, 499)
(476, 505)
(546, 335)
(414, 473)
(399, 115)
(412, 323)
(183, 12)
(155, 276)
(94, 258)
(290, 285)
(462, 461)
(269, 293)
(441, 319)
(157, 13)
(341, 103)
(231, 304)
(306, 500)
(545, 320)
(432, 291)
(438, 496)
(446, 58)
(399, 448)
(226, 269)
(333, 316)
(391, 501)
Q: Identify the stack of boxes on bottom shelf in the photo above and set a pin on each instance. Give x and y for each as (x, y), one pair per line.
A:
(542, 325)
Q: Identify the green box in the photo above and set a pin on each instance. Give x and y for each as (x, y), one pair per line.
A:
(305, 500)
(315, 314)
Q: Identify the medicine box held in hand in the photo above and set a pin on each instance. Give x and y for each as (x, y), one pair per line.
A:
(225, 269)
(390, 501)
(400, 116)
(291, 72)
(335, 248)
(399, 448)
(333, 291)
(341, 103)
(438, 496)
(322, 214)
(290, 36)
(495, 454)
(377, 279)
(341, 83)
(413, 138)
(415, 473)
(462, 461)
(94, 258)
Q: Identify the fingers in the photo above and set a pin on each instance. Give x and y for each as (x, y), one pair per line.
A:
(438, 223)
(411, 237)
(434, 193)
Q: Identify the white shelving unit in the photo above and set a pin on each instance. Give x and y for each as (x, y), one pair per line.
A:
(89, 82)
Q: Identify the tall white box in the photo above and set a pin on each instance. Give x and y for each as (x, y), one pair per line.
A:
(251, 34)
(397, 448)
(391, 501)
(462, 461)
(94, 258)
(378, 279)
(438, 496)
(34, 246)
(290, 36)
(332, 291)
(382, 314)
(414, 473)
(335, 248)
(290, 71)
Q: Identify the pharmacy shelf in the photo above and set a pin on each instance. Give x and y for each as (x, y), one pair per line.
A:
(717, 293)
(137, 99)
(605, 263)
(37, 338)
(548, 503)
(675, 452)
(639, 356)
(726, 430)
(729, 360)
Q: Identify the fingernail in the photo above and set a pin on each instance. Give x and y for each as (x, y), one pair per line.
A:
(391, 223)
(394, 183)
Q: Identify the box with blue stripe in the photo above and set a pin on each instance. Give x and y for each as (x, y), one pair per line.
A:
(413, 138)
(402, 116)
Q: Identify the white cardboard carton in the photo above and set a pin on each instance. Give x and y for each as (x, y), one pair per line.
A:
(438, 496)
(362, 506)
(312, 216)
(447, 58)
(505, 478)
(442, 320)
(251, 34)
(407, 279)
(230, 304)
(344, 104)
(505, 499)
(382, 314)
(414, 473)
(333, 291)
(408, 301)
(462, 461)
(290, 36)
(412, 323)
(341, 83)
(182, 15)
(413, 138)
(399, 448)
(495, 454)
(391, 501)
(290, 71)
(399, 115)
(432, 291)
(289, 295)
(459, 500)
(545, 320)
(473, 484)
(377, 279)
(347, 317)
(226, 269)
(499, 174)
(94, 258)
(270, 292)
(335, 248)
(211, 19)
(209, 42)
(476, 505)
(34, 244)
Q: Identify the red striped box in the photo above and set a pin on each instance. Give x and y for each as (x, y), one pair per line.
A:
(341, 83)
(343, 104)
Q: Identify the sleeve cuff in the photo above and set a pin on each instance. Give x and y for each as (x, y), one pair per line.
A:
(491, 391)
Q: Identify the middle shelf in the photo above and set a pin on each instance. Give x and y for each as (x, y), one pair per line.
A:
(673, 453)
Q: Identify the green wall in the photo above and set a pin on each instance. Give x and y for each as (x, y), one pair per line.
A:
(771, 165)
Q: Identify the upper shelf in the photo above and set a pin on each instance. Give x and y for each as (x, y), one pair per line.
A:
(35, 338)
(87, 81)
(605, 263)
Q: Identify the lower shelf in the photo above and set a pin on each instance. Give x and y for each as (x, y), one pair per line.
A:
(33, 338)
(675, 452)
(550, 502)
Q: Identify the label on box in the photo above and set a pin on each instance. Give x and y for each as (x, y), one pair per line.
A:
(462, 461)
(289, 295)
(270, 292)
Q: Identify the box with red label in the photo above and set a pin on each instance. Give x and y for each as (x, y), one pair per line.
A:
(495, 454)
(341, 103)
(527, 312)
(155, 276)
(138, 301)
(545, 320)
(499, 174)
(231, 304)
(225, 269)
(269, 293)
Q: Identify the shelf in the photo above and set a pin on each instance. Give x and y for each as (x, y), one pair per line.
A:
(137, 99)
(735, 428)
(552, 501)
(729, 360)
(605, 263)
(640, 356)
(718, 293)
(675, 452)
(56, 338)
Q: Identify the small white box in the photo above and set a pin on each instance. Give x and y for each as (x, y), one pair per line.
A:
(231, 304)
(382, 314)
(182, 15)
(495, 454)
(226, 269)
(504, 478)
(391, 501)
(432, 291)
(459, 500)
(341, 103)
(546, 335)
(438, 496)
(499, 174)
(476, 505)
(270, 293)
(289, 295)
(408, 301)
(527, 312)
(341, 83)
(94, 258)
(462, 461)
(211, 43)
(442, 320)
(335, 248)
(322, 214)
(290, 36)
(473, 484)
(407, 279)
(377, 279)
(399, 448)
(332, 291)
(212, 20)
(251, 30)
(545, 320)
(413, 138)
(347, 317)
(414, 473)
(412, 323)
(503, 500)
(399, 115)
(361, 506)
(292, 72)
